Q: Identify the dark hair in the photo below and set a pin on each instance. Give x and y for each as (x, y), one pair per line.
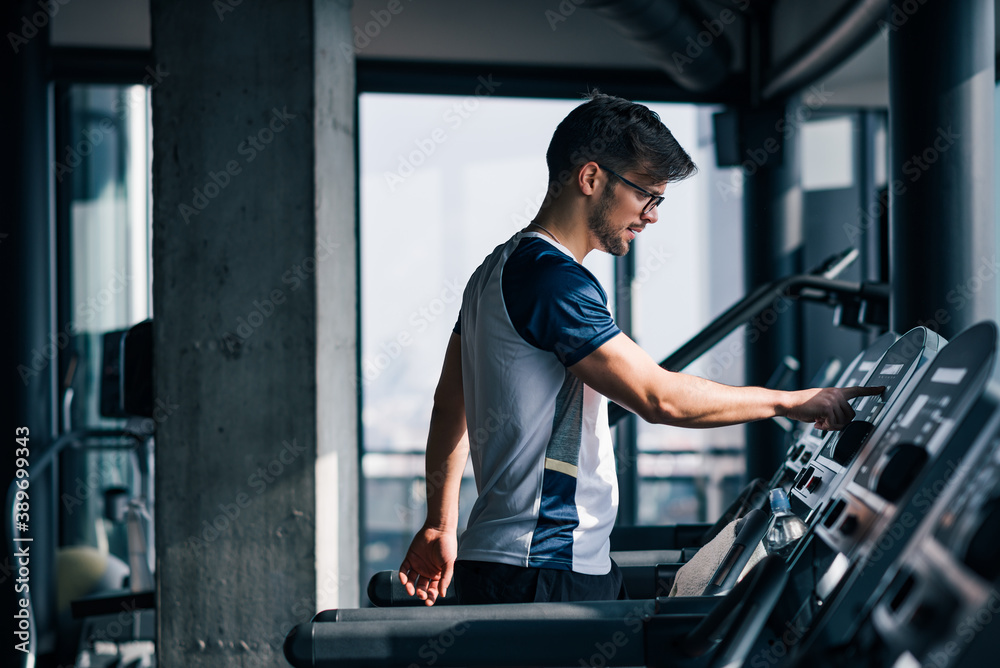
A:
(619, 134)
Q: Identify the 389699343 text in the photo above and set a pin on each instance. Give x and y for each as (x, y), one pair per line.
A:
(22, 541)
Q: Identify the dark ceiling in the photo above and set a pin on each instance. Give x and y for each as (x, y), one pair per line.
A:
(407, 43)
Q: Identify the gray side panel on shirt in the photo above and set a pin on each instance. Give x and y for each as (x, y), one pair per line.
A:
(564, 446)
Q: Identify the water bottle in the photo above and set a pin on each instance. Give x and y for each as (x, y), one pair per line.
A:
(786, 528)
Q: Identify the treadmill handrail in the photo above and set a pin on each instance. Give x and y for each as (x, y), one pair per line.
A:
(808, 287)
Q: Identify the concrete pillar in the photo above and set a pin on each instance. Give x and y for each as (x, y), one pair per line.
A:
(255, 312)
(941, 215)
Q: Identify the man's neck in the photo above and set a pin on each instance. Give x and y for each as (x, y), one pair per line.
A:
(574, 237)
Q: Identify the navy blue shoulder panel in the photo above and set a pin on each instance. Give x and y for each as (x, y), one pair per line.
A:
(555, 303)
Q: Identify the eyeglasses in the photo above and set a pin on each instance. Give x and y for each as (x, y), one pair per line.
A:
(654, 200)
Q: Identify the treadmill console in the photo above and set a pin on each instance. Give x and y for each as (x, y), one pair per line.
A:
(913, 444)
(812, 440)
(895, 369)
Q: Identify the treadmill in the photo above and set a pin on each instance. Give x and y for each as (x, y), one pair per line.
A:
(752, 619)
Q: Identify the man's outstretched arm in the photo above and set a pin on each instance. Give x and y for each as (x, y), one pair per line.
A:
(427, 568)
(624, 373)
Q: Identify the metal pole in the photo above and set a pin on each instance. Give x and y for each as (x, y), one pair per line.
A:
(941, 217)
(772, 205)
(627, 441)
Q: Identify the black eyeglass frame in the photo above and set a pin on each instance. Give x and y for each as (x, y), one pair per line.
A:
(654, 200)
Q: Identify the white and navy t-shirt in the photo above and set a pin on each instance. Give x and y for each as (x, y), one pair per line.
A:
(540, 442)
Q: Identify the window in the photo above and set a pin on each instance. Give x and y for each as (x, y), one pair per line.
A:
(689, 269)
(446, 179)
(101, 173)
(827, 153)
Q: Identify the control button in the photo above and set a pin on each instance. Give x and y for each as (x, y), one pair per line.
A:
(849, 525)
(814, 484)
(805, 456)
(902, 464)
(851, 440)
(804, 477)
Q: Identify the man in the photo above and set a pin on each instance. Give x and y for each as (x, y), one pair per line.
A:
(533, 357)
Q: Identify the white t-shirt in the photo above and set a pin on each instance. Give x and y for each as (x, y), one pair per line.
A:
(539, 437)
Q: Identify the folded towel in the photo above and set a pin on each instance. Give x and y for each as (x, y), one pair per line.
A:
(693, 577)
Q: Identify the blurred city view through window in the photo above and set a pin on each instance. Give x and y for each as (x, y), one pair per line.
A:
(446, 179)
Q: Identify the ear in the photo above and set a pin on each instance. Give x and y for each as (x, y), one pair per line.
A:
(589, 178)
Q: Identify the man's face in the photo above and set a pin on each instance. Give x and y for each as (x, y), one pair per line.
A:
(618, 217)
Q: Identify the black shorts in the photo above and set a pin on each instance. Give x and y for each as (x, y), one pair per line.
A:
(483, 582)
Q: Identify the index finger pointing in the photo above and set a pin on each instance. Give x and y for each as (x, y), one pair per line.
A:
(852, 392)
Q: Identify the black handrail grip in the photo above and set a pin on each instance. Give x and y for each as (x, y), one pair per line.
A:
(386, 591)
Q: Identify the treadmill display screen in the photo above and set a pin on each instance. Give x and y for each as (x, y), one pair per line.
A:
(890, 372)
(949, 376)
(932, 410)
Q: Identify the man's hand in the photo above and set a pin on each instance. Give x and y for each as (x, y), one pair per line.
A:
(429, 563)
(827, 407)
